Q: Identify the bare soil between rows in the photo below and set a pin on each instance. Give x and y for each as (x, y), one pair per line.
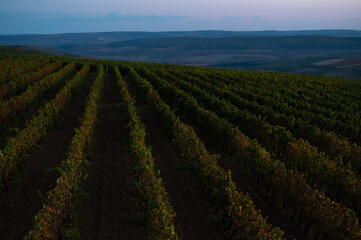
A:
(110, 211)
(9, 129)
(194, 218)
(247, 184)
(23, 201)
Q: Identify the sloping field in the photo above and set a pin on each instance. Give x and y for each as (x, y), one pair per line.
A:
(94, 149)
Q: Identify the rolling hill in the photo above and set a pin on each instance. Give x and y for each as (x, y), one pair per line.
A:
(281, 51)
(50, 40)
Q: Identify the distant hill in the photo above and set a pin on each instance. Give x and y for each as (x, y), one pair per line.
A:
(196, 50)
(281, 51)
(296, 54)
(35, 51)
(16, 50)
(244, 43)
(51, 40)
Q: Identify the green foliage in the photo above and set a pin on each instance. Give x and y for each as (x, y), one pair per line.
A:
(19, 84)
(289, 185)
(159, 213)
(220, 188)
(298, 136)
(50, 219)
(9, 108)
(321, 170)
(13, 67)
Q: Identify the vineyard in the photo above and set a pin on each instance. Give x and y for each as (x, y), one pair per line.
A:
(97, 149)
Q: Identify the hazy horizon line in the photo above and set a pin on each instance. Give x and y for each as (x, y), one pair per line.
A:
(200, 30)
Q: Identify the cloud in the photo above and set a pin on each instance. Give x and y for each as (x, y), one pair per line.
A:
(78, 17)
(241, 18)
(60, 22)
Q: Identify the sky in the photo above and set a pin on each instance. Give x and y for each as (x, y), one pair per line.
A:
(69, 16)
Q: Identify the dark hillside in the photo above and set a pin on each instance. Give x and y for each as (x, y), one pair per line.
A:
(48, 40)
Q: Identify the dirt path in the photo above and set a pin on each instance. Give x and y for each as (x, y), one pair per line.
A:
(194, 219)
(110, 211)
(21, 203)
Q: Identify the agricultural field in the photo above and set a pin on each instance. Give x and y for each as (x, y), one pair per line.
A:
(97, 149)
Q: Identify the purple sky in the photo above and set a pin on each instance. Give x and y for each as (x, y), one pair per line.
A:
(56, 16)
